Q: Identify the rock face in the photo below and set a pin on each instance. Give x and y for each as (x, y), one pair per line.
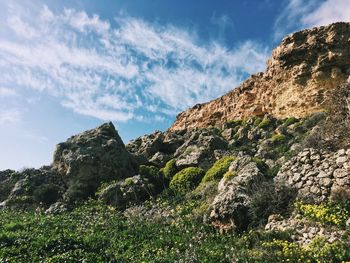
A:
(87, 159)
(31, 187)
(231, 205)
(316, 174)
(300, 72)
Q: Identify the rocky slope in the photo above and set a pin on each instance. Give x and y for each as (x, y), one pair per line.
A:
(301, 70)
(243, 167)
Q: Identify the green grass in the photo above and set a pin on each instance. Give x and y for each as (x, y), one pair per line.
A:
(97, 233)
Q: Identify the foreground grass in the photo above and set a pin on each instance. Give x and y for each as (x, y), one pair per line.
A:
(97, 233)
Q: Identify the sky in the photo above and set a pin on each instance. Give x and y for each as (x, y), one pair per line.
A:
(68, 66)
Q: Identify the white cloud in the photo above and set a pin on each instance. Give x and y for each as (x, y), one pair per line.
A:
(328, 12)
(7, 92)
(9, 116)
(131, 70)
(300, 14)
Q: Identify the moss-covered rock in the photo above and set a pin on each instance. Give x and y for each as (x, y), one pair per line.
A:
(169, 170)
(187, 179)
(219, 168)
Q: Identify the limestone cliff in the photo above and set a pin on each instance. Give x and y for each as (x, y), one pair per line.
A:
(299, 73)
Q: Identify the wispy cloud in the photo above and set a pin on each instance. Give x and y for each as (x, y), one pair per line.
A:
(9, 116)
(128, 69)
(7, 92)
(299, 14)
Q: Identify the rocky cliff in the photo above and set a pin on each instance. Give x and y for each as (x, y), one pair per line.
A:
(299, 73)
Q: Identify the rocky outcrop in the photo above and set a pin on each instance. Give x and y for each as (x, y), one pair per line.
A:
(301, 70)
(231, 205)
(90, 158)
(131, 191)
(316, 173)
(33, 187)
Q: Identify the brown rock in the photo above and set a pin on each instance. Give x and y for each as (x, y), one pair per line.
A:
(302, 68)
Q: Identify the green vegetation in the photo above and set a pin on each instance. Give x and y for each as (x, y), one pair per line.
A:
(290, 121)
(328, 213)
(153, 174)
(257, 121)
(265, 123)
(229, 175)
(217, 171)
(97, 233)
(279, 138)
(186, 180)
(169, 170)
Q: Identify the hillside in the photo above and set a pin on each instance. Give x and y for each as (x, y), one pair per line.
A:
(300, 72)
(261, 174)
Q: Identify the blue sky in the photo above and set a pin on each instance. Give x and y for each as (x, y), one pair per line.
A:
(67, 66)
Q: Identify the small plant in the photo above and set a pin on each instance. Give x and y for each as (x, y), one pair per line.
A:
(186, 180)
(279, 138)
(229, 175)
(265, 123)
(328, 252)
(290, 121)
(257, 121)
(219, 168)
(330, 213)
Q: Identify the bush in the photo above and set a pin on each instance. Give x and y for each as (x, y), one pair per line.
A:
(329, 213)
(290, 121)
(326, 252)
(279, 138)
(219, 168)
(169, 170)
(257, 121)
(265, 123)
(187, 179)
(47, 194)
(267, 200)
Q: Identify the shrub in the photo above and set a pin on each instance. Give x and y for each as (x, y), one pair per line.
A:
(47, 194)
(219, 168)
(326, 252)
(329, 213)
(290, 121)
(257, 121)
(267, 200)
(150, 172)
(265, 123)
(187, 179)
(169, 170)
(279, 138)
(261, 164)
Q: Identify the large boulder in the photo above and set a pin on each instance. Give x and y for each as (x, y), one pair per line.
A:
(90, 158)
(144, 147)
(199, 149)
(230, 207)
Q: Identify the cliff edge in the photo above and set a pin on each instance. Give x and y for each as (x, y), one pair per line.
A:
(299, 73)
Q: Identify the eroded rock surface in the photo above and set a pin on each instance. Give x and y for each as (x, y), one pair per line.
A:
(92, 157)
(300, 72)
